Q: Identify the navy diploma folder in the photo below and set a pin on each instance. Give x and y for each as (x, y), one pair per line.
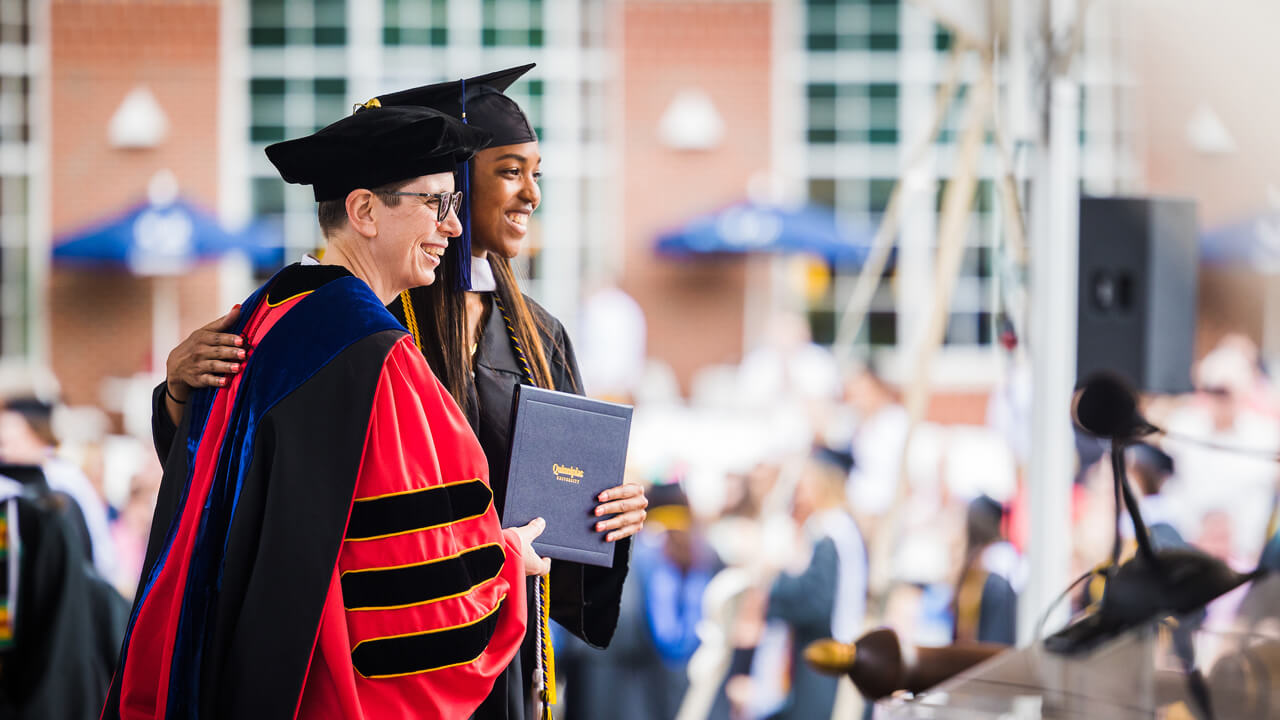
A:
(565, 450)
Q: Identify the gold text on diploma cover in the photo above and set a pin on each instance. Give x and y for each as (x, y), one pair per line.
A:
(567, 474)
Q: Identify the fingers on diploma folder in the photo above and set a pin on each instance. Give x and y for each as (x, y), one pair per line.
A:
(627, 503)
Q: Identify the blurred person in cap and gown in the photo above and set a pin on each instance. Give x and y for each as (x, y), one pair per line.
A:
(643, 673)
(985, 606)
(1242, 485)
(27, 438)
(61, 622)
(325, 542)
(482, 336)
(826, 598)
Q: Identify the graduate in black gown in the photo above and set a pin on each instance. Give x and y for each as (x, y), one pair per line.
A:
(985, 604)
(482, 336)
(60, 622)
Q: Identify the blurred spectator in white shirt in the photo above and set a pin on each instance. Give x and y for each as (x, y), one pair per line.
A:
(877, 443)
(1224, 412)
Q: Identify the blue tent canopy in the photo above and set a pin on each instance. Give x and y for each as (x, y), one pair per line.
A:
(165, 240)
(747, 227)
(1253, 243)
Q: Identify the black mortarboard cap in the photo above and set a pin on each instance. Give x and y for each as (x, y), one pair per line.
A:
(983, 519)
(837, 459)
(477, 101)
(486, 107)
(29, 406)
(371, 149)
(665, 495)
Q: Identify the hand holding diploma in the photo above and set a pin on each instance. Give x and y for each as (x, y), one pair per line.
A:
(627, 504)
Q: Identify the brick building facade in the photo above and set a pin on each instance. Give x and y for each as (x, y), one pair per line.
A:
(859, 78)
(695, 309)
(101, 319)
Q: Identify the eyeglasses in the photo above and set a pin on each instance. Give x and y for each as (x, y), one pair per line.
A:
(441, 202)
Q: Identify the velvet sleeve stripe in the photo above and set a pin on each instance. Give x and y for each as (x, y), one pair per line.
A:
(415, 653)
(424, 509)
(420, 583)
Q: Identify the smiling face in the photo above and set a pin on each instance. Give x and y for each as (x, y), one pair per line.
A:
(410, 242)
(504, 193)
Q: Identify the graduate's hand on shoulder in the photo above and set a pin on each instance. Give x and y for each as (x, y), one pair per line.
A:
(627, 504)
(206, 357)
(533, 565)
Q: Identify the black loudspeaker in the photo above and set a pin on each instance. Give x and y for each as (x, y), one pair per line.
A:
(1137, 291)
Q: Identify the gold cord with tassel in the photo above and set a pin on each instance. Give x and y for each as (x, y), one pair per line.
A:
(411, 319)
(544, 672)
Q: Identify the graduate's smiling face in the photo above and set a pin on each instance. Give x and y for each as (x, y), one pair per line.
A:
(410, 242)
(504, 193)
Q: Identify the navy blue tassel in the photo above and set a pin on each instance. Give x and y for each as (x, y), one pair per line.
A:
(463, 241)
(462, 258)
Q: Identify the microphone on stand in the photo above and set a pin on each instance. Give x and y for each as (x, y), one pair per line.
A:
(1152, 584)
(1107, 407)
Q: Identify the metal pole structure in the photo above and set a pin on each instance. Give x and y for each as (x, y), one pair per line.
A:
(1052, 330)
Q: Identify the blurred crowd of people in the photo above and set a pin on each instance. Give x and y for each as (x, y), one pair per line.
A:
(737, 571)
(724, 596)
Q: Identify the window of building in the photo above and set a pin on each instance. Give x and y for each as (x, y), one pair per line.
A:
(861, 202)
(276, 23)
(870, 25)
(853, 113)
(415, 22)
(15, 177)
(512, 23)
(862, 119)
(298, 83)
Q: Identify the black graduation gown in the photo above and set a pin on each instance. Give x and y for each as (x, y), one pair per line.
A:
(69, 621)
(585, 600)
(986, 607)
(806, 603)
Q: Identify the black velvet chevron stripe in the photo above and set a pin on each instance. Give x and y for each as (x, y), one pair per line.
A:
(426, 651)
(423, 582)
(417, 510)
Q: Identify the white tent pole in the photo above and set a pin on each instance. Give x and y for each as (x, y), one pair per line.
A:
(1052, 331)
(164, 320)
